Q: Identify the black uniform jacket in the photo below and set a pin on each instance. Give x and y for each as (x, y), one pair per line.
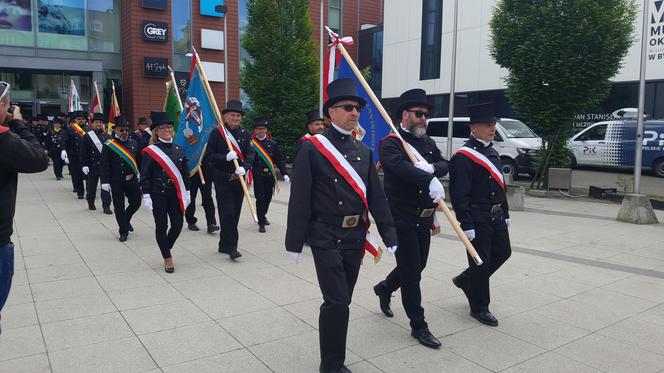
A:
(142, 138)
(318, 191)
(406, 186)
(471, 184)
(55, 142)
(215, 154)
(73, 143)
(153, 177)
(260, 167)
(90, 155)
(115, 170)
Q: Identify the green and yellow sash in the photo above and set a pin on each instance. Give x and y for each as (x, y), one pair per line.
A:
(77, 129)
(260, 150)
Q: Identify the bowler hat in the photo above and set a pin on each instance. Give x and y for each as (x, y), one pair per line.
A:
(98, 116)
(482, 113)
(159, 117)
(313, 115)
(79, 114)
(412, 98)
(233, 106)
(120, 121)
(260, 122)
(339, 90)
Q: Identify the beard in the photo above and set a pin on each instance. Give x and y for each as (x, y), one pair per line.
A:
(418, 131)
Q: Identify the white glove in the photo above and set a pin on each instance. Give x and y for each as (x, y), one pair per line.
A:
(286, 179)
(63, 156)
(86, 170)
(106, 187)
(240, 171)
(147, 202)
(436, 190)
(391, 250)
(509, 223)
(231, 155)
(426, 167)
(470, 234)
(297, 257)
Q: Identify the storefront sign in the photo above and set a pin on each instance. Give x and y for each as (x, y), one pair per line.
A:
(155, 4)
(154, 66)
(155, 31)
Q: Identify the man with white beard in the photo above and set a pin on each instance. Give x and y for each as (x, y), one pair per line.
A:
(413, 192)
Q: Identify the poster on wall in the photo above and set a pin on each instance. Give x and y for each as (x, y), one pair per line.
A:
(64, 17)
(15, 15)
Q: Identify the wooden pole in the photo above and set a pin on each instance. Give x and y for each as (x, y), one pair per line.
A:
(217, 114)
(441, 204)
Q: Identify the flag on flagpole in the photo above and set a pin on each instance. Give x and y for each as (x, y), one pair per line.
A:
(198, 118)
(114, 109)
(172, 103)
(95, 106)
(74, 98)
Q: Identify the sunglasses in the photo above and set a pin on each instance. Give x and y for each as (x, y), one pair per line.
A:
(420, 114)
(6, 89)
(349, 107)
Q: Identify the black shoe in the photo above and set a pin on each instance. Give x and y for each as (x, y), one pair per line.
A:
(266, 222)
(91, 205)
(343, 369)
(384, 297)
(261, 228)
(169, 270)
(130, 227)
(212, 228)
(485, 317)
(80, 196)
(194, 227)
(123, 237)
(425, 337)
(234, 255)
(107, 211)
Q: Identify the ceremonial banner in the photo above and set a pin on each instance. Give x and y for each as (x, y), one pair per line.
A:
(74, 98)
(172, 103)
(114, 110)
(95, 106)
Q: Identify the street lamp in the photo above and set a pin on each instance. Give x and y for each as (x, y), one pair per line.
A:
(223, 9)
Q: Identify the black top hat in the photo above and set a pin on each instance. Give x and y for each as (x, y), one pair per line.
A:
(79, 114)
(159, 117)
(58, 119)
(339, 90)
(482, 113)
(120, 121)
(412, 98)
(98, 116)
(142, 120)
(313, 115)
(233, 106)
(260, 122)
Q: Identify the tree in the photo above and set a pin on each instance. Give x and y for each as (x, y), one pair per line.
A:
(281, 78)
(560, 56)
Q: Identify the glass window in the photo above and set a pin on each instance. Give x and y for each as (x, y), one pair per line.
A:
(61, 24)
(21, 83)
(50, 86)
(594, 134)
(437, 129)
(335, 16)
(432, 23)
(104, 26)
(181, 26)
(460, 130)
(517, 129)
(16, 23)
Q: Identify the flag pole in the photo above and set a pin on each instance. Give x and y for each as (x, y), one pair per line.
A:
(101, 108)
(452, 220)
(206, 84)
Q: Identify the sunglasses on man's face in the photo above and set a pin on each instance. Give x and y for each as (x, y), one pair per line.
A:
(349, 107)
(420, 114)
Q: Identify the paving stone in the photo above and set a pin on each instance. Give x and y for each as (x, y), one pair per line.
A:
(124, 355)
(19, 315)
(422, 359)
(65, 289)
(238, 361)
(74, 307)
(551, 362)
(21, 342)
(31, 364)
(264, 326)
(85, 331)
(59, 272)
(164, 317)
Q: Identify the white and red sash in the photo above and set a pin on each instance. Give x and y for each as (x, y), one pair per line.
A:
(341, 165)
(225, 133)
(169, 167)
(95, 140)
(483, 161)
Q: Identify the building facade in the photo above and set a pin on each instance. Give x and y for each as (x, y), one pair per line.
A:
(418, 54)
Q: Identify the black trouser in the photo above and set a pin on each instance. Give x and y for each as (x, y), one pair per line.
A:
(411, 258)
(263, 190)
(229, 202)
(206, 195)
(337, 272)
(492, 242)
(58, 165)
(91, 184)
(165, 207)
(120, 190)
(76, 175)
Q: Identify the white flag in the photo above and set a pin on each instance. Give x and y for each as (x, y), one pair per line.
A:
(74, 99)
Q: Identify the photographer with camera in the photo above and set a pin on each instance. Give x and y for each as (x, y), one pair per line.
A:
(20, 151)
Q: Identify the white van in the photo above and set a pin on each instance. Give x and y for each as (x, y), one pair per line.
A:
(515, 142)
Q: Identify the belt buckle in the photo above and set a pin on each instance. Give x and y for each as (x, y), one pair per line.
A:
(129, 177)
(350, 221)
(495, 208)
(266, 169)
(427, 213)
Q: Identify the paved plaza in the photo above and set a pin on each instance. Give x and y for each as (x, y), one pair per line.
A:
(581, 293)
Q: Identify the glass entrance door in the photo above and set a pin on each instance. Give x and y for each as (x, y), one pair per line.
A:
(51, 108)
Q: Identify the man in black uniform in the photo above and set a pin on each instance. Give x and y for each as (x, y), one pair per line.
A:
(327, 210)
(206, 196)
(227, 176)
(72, 152)
(91, 146)
(119, 177)
(55, 143)
(315, 126)
(477, 193)
(264, 179)
(142, 133)
(412, 192)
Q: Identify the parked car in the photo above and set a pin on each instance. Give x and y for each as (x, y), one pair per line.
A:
(515, 142)
(611, 144)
